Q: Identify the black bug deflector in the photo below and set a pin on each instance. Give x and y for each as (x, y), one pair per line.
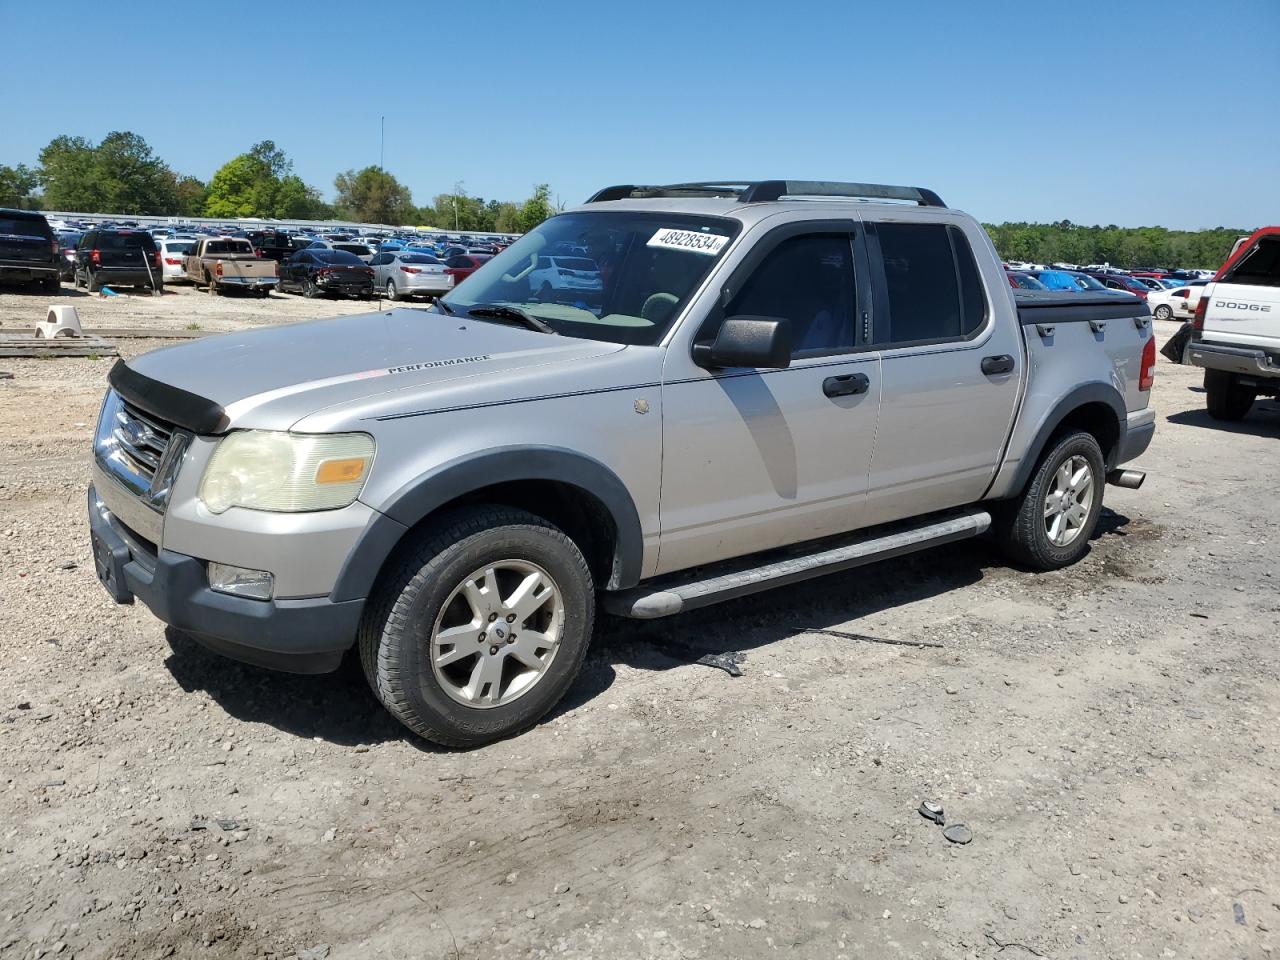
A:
(178, 406)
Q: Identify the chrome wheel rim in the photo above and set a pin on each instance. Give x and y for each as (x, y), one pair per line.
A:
(1068, 502)
(497, 633)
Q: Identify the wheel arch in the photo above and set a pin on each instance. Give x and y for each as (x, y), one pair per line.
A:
(1097, 408)
(579, 494)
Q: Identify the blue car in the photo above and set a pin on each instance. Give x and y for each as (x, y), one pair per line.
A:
(1071, 280)
(1057, 280)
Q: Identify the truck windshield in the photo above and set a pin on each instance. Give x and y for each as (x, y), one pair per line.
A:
(603, 275)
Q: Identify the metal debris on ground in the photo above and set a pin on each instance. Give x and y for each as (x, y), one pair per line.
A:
(728, 662)
(1238, 910)
(869, 639)
(932, 810)
(228, 824)
(958, 833)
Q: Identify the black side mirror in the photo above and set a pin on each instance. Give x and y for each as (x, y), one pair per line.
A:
(747, 342)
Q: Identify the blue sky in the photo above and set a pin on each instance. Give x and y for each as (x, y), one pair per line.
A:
(1125, 112)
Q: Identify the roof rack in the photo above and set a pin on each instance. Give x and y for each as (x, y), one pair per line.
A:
(759, 191)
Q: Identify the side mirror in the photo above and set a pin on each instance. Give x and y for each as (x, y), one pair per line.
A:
(747, 342)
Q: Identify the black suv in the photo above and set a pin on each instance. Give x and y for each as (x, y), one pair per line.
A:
(28, 250)
(118, 257)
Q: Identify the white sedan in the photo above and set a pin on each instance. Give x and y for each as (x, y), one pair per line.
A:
(1168, 304)
(565, 275)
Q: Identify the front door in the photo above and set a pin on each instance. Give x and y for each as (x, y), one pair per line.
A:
(754, 459)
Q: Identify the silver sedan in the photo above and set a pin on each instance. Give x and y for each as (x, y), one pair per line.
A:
(402, 274)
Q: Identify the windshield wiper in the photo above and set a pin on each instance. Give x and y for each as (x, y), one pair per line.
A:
(499, 311)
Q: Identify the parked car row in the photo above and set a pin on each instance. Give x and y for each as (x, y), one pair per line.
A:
(1166, 296)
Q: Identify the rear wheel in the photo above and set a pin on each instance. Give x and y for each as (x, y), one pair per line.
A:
(1049, 525)
(480, 628)
(1164, 312)
(51, 285)
(1225, 398)
(91, 283)
(310, 290)
(213, 287)
(391, 290)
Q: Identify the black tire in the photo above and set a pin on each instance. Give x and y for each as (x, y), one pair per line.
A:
(1164, 312)
(213, 287)
(1224, 397)
(51, 285)
(1019, 524)
(310, 289)
(91, 283)
(392, 295)
(395, 636)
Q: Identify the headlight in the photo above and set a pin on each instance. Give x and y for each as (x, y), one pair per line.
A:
(286, 472)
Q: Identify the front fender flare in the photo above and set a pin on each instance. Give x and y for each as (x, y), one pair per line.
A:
(420, 497)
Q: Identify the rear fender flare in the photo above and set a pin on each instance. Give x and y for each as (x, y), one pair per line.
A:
(1077, 398)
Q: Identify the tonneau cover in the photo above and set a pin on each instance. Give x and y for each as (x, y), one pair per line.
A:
(1062, 306)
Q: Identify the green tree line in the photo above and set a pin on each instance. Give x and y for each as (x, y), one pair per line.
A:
(122, 175)
(1126, 247)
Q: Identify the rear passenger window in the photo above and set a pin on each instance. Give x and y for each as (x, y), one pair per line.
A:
(809, 281)
(932, 289)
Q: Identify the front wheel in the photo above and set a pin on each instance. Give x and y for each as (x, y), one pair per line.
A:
(1048, 527)
(480, 628)
(1224, 397)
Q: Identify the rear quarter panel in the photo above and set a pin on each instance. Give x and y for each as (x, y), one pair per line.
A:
(1072, 356)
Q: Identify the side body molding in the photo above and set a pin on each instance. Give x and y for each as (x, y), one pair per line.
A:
(459, 477)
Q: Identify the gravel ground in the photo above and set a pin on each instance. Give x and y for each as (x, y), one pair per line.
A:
(1108, 733)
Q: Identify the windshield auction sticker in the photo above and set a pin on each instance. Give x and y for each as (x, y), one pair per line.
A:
(672, 239)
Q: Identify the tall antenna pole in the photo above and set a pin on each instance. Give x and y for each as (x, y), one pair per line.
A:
(382, 145)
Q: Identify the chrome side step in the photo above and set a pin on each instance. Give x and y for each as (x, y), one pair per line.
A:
(670, 595)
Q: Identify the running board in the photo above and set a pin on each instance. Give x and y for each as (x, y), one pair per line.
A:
(669, 595)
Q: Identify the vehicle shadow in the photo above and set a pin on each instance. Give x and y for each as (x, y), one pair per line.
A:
(752, 622)
(340, 708)
(1263, 420)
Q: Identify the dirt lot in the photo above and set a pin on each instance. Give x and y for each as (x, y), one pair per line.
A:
(1108, 733)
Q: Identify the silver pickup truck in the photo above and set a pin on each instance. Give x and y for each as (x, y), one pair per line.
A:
(771, 381)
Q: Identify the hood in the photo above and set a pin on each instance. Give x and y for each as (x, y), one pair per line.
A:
(274, 376)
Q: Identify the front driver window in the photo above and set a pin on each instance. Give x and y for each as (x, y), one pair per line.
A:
(808, 280)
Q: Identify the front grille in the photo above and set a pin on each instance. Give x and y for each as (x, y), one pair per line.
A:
(142, 439)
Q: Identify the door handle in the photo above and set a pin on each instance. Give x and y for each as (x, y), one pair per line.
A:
(1001, 364)
(846, 386)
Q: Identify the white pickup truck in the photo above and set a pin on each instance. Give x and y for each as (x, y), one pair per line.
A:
(1236, 332)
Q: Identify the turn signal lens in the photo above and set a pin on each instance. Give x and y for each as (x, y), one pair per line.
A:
(341, 471)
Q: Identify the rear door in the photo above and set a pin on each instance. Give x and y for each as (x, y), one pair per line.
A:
(125, 250)
(1244, 306)
(26, 241)
(951, 367)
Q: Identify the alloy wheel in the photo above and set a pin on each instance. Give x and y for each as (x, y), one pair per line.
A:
(497, 633)
(1068, 502)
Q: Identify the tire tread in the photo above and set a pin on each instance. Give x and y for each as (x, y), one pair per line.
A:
(385, 625)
